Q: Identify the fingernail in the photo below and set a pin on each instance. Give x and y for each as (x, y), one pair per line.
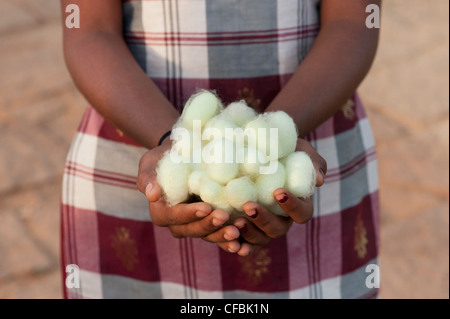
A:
(322, 171)
(228, 236)
(253, 213)
(217, 222)
(148, 189)
(232, 249)
(242, 229)
(201, 213)
(282, 198)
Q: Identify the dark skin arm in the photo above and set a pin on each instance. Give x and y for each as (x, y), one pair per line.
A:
(330, 74)
(337, 63)
(109, 77)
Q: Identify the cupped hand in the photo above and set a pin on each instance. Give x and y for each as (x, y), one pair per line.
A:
(196, 219)
(262, 225)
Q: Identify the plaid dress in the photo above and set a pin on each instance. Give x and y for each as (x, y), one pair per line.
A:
(243, 50)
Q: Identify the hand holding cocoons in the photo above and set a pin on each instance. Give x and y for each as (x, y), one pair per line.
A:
(301, 174)
(240, 191)
(201, 106)
(173, 178)
(226, 169)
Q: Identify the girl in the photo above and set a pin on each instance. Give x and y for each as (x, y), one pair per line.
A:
(137, 62)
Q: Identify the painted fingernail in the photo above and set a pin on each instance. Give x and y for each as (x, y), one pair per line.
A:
(243, 229)
(282, 198)
(253, 214)
(322, 171)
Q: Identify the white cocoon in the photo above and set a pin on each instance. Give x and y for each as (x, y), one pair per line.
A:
(201, 106)
(300, 174)
(219, 160)
(173, 178)
(196, 178)
(266, 184)
(253, 161)
(184, 144)
(212, 193)
(240, 191)
(218, 127)
(287, 131)
(239, 113)
(258, 135)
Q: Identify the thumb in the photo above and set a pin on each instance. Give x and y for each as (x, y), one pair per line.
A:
(153, 191)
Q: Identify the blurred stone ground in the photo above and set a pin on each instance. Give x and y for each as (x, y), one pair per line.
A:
(407, 99)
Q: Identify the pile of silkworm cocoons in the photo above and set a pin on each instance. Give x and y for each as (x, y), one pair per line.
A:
(199, 166)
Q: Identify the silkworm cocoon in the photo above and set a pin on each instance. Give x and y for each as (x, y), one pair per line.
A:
(259, 135)
(287, 131)
(239, 113)
(218, 127)
(196, 159)
(240, 191)
(212, 193)
(173, 177)
(202, 106)
(253, 161)
(183, 143)
(219, 160)
(266, 184)
(195, 179)
(300, 174)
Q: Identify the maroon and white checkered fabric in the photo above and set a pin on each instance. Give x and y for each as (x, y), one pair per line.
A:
(243, 50)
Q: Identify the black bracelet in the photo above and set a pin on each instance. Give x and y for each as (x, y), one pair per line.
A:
(164, 137)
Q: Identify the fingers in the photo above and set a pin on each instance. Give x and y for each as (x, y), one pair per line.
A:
(246, 249)
(250, 232)
(273, 226)
(231, 246)
(299, 209)
(153, 191)
(146, 181)
(164, 215)
(224, 234)
(201, 227)
(320, 164)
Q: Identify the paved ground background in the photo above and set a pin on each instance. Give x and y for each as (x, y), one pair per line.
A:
(407, 99)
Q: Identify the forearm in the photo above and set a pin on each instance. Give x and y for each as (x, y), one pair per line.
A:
(337, 63)
(111, 80)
